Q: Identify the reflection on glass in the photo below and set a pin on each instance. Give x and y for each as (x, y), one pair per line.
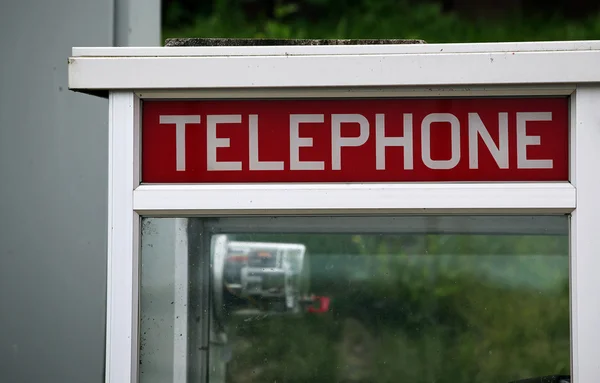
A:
(418, 303)
(390, 308)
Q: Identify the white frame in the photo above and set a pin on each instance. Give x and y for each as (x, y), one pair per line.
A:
(130, 74)
(122, 347)
(431, 198)
(329, 50)
(256, 67)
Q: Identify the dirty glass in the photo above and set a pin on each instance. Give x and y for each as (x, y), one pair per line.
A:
(412, 303)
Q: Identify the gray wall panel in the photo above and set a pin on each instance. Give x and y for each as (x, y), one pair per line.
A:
(53, 192)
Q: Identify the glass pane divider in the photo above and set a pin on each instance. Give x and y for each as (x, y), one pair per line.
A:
(550, 197)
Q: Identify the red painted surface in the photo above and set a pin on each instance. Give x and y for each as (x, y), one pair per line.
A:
(545, 139)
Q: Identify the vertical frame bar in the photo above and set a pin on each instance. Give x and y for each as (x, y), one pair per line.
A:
(122, 306)
(199, 307)
(181, 302)
(585, 241)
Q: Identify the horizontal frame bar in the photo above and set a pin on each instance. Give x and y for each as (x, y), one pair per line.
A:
(287, 50)
(292, 199)
(460, 69)
(362, 92)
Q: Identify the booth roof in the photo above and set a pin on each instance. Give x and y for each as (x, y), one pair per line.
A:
(228, 42)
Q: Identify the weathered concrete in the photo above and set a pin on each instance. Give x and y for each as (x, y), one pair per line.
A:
(228, 42)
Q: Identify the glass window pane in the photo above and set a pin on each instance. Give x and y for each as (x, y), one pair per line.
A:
(482, 303)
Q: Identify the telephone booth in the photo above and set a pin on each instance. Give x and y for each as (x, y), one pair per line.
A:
(351, 211)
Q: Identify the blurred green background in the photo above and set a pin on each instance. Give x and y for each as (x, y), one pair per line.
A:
(430, 20)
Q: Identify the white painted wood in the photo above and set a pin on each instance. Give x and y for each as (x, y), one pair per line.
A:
(123, 243)
(460, 69)
(585, 241)
(339, 49)
(343, 198)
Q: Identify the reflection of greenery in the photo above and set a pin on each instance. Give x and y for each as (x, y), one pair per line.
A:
(284, 349)
(418, 313)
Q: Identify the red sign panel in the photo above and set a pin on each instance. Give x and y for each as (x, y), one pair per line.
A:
(391, 140)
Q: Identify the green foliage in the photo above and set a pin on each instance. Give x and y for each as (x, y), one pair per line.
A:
(284, 349)
(376, 19)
